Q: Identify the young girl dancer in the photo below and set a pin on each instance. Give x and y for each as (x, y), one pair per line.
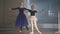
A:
(21, 20)
(33, 19)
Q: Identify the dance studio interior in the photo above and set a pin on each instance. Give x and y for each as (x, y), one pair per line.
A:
(48, 21)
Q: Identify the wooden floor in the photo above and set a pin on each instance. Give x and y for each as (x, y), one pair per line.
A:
(25, 32)
(12, 31)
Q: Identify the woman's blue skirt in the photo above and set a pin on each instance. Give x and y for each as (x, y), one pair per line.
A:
(21, 20)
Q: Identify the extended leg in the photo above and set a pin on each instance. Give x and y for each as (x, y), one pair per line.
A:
(27, 28)
(20, 29)
(32, 28)
(36, 27)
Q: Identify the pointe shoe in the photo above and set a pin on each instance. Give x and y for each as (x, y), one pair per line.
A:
(31, 33)
(20, 31)
(40, 32)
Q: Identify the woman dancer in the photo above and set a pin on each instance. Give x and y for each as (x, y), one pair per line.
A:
(21, 20)
(33, 19)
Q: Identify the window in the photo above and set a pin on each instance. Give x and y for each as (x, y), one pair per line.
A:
(50, 13)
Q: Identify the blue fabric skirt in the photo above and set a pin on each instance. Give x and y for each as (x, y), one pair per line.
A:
(21, 20)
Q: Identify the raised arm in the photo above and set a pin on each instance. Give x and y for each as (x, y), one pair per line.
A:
(13, 8)
(40, 11)
(27, 10)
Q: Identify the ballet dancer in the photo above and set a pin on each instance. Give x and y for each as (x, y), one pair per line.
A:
(21, 20)
(33, 19)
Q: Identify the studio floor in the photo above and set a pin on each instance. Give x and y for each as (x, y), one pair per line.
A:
(16, 31)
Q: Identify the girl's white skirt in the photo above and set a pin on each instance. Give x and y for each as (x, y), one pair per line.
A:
(33, 18)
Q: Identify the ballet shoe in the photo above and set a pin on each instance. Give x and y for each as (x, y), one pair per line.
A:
(31, 33)
(28, 31)
(20, 31)
(40, 32)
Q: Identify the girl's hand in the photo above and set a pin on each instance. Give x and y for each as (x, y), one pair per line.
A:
(26, 11)
(41, 11)
(38, 12)
(10, 9)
